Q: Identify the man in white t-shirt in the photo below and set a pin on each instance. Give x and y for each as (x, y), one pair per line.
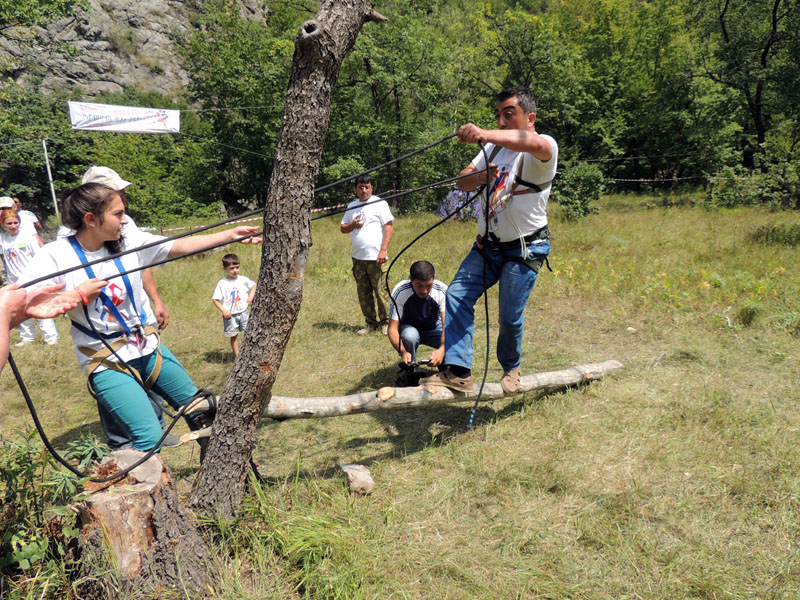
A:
(417, 315)
(370, 224)
(511, 245)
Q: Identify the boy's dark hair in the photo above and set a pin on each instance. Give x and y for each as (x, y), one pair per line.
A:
(422, 270)
(363, 179)
(229, 259)
(524, 98)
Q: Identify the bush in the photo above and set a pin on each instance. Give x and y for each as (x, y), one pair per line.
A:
(777, 187)
(37, 530)
(577, 189)
(777, 235)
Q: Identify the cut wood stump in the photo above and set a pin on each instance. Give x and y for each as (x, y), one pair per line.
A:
(138, 528)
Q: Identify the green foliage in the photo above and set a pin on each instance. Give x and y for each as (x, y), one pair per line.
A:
(243, 64)
(653, 89)
(37, 530)
(15, 13)
(777, 186)
(578, 190)
(788, 235)
(172, 176)
(123, 41)
(751, 49)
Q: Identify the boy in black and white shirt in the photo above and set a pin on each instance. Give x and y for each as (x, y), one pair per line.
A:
(417, 314)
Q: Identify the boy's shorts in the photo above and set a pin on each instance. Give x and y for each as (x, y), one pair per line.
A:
(236, 324)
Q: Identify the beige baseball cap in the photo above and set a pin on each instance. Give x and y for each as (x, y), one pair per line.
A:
(7, 202)
(106, 176)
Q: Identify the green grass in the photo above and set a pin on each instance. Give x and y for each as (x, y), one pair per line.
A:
(678, 477)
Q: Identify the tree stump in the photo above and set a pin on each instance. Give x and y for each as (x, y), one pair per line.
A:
(137, 529)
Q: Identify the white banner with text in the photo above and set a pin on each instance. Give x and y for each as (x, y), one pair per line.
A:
(130, 119)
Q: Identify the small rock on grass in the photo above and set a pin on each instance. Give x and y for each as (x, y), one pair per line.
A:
(361, 482)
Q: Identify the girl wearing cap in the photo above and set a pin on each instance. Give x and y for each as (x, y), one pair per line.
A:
(111, 310)
(18, 249)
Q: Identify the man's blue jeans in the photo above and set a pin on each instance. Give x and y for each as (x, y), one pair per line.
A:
(412, 338)
(516, 283)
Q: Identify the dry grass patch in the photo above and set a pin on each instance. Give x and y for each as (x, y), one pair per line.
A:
(675, 478)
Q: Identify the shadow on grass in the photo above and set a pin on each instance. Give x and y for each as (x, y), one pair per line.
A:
(334, 326)
(60, 442)
(218, 356)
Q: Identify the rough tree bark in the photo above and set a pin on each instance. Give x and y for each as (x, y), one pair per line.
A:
(320, 47)
(139, 530)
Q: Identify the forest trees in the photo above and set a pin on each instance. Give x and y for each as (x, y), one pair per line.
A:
(752, 48)
(646, 90)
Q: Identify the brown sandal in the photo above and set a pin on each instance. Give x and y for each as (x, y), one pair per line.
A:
(510, 381)
(447, 379)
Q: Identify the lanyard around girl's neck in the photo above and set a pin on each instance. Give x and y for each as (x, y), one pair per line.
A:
(103, 297)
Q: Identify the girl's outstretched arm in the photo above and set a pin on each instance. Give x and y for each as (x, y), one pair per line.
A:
(201, 242)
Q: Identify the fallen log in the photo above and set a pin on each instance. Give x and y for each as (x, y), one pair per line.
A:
(390, 398)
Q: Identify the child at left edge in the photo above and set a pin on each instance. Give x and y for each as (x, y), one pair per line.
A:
(228, 298)
(18, 249)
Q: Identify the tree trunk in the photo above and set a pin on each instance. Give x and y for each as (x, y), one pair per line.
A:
(139, 529)
(320, 47)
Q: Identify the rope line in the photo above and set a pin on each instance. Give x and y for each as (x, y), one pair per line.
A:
(485, 254)
(213, 143)
(386, 164)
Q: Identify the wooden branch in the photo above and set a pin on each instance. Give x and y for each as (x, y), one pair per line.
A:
(389, 398)
(376, 17)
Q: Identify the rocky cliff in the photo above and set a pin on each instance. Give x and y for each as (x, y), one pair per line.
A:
(108, 46)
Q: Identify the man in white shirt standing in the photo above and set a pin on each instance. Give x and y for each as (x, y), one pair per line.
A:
(370, 224)
(511, 245)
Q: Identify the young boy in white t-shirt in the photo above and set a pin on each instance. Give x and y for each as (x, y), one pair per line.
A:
(232, 297)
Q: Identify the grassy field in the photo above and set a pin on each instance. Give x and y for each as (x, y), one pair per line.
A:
(677, 477)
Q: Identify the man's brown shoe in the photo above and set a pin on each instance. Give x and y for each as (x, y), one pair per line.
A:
(510, 381)
(447, 379)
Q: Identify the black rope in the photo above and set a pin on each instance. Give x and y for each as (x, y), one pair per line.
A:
(63, 461)
(236, 218)
(484, 253)
(398, 195)
(469, 200)
(386, 164)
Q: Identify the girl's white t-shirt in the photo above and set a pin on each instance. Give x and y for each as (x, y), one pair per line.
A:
(60, 254)
(18, 252)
